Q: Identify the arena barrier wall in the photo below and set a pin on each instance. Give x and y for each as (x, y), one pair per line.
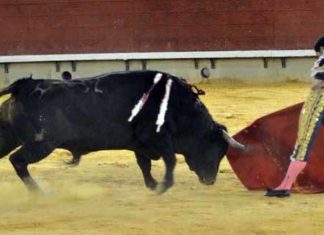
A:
(245, 66)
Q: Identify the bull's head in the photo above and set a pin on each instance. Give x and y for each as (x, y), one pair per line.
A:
(211, 150)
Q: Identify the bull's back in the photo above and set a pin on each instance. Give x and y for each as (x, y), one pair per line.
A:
(112, 97)
(100, 113)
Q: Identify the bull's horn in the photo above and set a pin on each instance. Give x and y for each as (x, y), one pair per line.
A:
(232, 142)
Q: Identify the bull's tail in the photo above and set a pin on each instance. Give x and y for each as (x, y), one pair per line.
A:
(16, 86)
(7, 90)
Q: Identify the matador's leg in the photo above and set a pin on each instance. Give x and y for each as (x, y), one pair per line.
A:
(309, 123)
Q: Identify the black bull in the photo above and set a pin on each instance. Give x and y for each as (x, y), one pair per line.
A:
(93, 114)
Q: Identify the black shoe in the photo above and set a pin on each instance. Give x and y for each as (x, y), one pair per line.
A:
(277, 193)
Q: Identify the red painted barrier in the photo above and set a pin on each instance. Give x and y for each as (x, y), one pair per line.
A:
(103, 26)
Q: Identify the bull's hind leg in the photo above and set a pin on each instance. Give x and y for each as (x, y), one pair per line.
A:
(27, 154)
(7, 141)
(145, 165)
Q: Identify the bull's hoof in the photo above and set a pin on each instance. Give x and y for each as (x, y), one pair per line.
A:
(151, 184)
(277, 193)
(31, 185)
(163, 187)
(72, 162)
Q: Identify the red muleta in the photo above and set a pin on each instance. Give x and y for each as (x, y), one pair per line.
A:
(269, 143)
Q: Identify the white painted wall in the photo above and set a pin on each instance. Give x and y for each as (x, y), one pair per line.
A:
(246, 66)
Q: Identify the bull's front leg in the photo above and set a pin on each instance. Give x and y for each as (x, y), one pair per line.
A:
(170, 162)
(145, 164)
(161, 145)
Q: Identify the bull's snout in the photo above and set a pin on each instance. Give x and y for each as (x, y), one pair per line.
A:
(206, 181)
